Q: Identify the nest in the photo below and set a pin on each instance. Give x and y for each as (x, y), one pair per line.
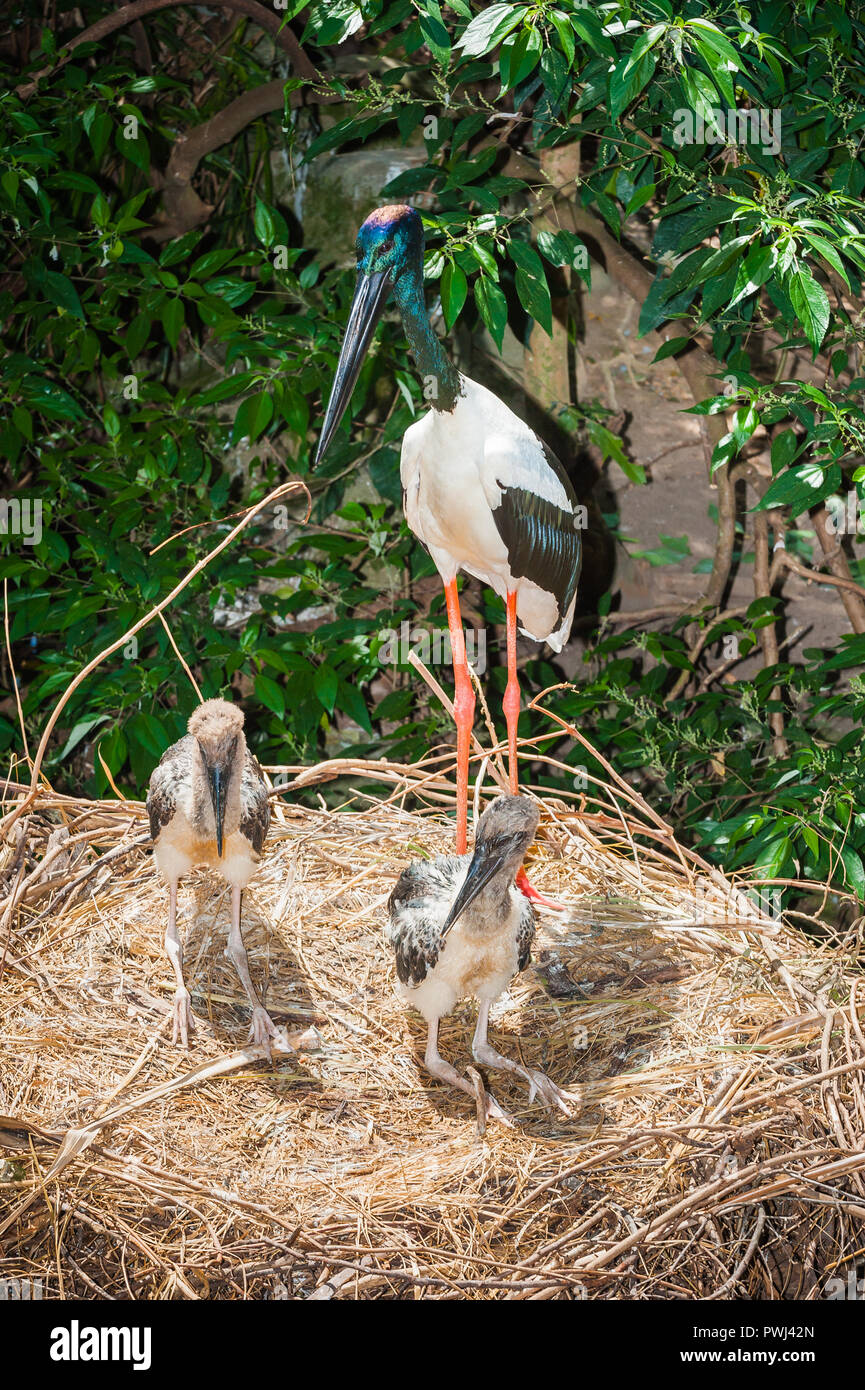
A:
(718, 1051)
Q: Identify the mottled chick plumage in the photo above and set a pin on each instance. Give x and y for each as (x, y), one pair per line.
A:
(208, 807)
(462, 928)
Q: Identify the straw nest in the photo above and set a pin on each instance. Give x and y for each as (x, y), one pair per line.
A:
(719, 1053)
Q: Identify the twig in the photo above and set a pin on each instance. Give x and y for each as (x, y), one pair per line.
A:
(283, 490)
(193, 682)
(12, 676)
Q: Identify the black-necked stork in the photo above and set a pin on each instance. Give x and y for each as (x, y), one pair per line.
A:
(459, 927)
(481, 491)
(208, 807)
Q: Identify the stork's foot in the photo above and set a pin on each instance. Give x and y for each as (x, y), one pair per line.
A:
(522, 882)
(262, 1029)
(539, 1083)
(549, 1093)
(182, 1018)
(488, 1107)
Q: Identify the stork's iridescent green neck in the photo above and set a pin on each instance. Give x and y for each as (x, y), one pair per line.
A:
(390, 257)
(392, 240)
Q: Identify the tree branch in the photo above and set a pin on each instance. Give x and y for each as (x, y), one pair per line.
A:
(183, 206)
(266, 19)
(768, 635)
(701, 371)
(836, 561)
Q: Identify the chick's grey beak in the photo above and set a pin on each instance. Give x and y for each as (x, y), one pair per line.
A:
(370, 294)
(486, 862)
(217, 780)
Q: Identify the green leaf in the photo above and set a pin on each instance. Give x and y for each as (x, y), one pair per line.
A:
(150, 734)
(270, 694)
(801, 487)
(811, 306)
(645, 42)
(722, 258)
(611, 447)
(489, 28)
(172, 317)
(772, 856)
(700, 91)
(784, 449)
(79, 731)
(253, 417)
(435, 34)
(562, 26)
(829, 253)
(351, 701)
(111, 421)
(264, 224)
(853, 872)
(754, 272)
(454, 288)
(61, 291)
(627, 82)
(641, 197)
(534, 295)
(589, 29)
(493, 308)
(325, 683)
(670, 348)
(520, 55)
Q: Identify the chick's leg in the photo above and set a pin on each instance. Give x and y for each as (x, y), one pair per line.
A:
(443, 1071)
(183, 1018)
(539, 1083)
(262, 1027)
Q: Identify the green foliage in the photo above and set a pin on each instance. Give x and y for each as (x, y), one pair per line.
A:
(150, 388)
(706, 763)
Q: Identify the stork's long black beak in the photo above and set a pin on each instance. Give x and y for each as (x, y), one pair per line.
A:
(366, 310)
(217, 780)
(489, 859)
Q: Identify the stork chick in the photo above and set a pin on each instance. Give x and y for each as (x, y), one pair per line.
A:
(208, 807)
(461, 930)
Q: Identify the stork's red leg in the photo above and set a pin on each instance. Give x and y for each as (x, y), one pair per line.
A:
(464, 710)
(511, 707)
(511, 702)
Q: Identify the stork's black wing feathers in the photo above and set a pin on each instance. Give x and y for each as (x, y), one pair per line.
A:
(417, 908)
(165, 779)
(254, 804)
(525, 935)
(543, 540)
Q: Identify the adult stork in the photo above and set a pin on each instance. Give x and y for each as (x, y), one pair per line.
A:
(481, 491)
(208, 806)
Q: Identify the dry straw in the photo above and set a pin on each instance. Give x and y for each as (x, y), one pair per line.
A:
(719, 1052)
(718, 1152)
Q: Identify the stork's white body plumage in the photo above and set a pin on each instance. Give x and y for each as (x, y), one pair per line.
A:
(454, 469)
(481, 491)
